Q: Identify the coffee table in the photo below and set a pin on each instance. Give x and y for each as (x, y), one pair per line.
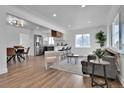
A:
(75, 56)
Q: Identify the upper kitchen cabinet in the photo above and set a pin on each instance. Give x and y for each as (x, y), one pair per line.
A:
(56, 34)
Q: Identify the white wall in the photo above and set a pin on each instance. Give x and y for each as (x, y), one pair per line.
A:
(114, 11)
(70, 38)
(10, 35)
(3, 65)
(24, 40)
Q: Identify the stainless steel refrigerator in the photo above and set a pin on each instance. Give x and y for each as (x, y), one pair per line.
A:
(38, 45)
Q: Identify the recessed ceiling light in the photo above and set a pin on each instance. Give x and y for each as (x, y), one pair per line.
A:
(54, 15)
(89, 22)
(83, 5)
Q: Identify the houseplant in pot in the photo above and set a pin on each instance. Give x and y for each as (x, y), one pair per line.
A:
(101, 39)
(99, 54)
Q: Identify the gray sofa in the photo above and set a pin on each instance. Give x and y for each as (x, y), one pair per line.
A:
(111, 69)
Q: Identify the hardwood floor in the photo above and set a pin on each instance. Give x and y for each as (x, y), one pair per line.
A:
(32, 74)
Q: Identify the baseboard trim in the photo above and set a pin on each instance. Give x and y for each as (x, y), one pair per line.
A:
(2, 71)
(121, 80)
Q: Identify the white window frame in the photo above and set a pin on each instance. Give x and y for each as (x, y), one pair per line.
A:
(83, 46)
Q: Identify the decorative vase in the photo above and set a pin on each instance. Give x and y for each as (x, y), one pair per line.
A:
(99, 59)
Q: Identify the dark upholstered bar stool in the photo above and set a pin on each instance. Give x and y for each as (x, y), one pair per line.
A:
(104, 64)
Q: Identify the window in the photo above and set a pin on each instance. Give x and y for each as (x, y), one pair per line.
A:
(82, 41)
(115, 32)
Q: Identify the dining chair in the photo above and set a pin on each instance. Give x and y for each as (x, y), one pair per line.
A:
(11, 53)
(62, 52)
(69, 50)
(19, 54)
(26, 53)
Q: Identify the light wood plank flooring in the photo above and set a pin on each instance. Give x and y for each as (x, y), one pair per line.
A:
(32, 74)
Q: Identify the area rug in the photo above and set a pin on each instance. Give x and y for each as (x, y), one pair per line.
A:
(70, 67)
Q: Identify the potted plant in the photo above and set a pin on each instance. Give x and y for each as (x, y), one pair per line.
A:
(99, 54)
(101, 39)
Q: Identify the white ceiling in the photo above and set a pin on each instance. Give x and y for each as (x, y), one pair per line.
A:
(33, 26)
(74, 15)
